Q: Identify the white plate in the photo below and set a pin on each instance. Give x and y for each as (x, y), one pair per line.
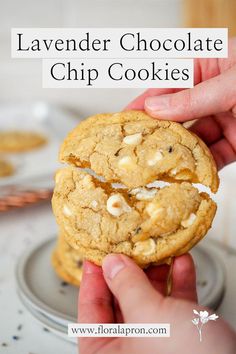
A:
(55, 305)
(35, 168)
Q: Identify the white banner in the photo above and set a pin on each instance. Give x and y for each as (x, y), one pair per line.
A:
(126, 73)
(119, 43)
(119, 330)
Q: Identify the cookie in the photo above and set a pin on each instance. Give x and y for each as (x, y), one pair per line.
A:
(19, 141)
(6, 168)
(132, 149)
(148, 223)
(67, 262)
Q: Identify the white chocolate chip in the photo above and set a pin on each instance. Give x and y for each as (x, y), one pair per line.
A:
(153, 210)
(94, 204)
(58, 176)
(144, 193)
(134, 139)
(66, 210)
(125, 162)
(173, 172)
(144, 248)
(156, 157)
(188, 222)
(116, 205)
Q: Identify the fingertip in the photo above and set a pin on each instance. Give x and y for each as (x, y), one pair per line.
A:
(157, 106)
(113, 263)
(133, 106)
(91, 268)
(184, 263)
(184, 278)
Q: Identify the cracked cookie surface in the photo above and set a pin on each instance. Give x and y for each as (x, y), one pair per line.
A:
(67, 262)
(130, 148)
(148, 224)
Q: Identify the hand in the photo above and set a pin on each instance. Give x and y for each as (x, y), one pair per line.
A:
(122, 292)
(213, 99)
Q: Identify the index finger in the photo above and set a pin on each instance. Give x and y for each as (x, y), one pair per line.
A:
(203, 69)
(95, 298)
(138, 102)
(95, 305)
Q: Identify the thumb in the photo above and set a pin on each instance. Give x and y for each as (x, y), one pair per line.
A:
(213, 96)
(130, 286)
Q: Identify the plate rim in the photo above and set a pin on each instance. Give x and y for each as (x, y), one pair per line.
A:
(217, 292)
(24, 288)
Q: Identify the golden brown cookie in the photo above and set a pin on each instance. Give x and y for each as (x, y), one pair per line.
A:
(133, 149)
(6, 168)
(19, 141)
(67, 262)
(148, 223)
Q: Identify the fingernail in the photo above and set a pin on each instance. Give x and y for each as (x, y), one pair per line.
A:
(158, 103)
(91, 268)
(112, 265)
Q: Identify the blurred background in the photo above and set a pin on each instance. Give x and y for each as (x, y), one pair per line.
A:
(50, 113)
(21, 79)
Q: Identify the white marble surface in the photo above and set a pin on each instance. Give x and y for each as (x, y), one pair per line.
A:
(23, 228)
(20, 229)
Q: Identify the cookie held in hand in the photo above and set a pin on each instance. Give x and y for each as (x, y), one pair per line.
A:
(121, 212)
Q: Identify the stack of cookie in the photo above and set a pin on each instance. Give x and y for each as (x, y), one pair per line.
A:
(122, 207)
(67, 262)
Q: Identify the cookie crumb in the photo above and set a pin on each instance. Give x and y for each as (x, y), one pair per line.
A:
(45, 329)
(19, 328)
(79, 264)
(15, 337)
(202, 283)
(64, 283)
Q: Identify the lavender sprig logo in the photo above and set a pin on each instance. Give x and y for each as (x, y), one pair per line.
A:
(203, 318)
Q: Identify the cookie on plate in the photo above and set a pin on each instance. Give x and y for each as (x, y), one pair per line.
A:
(121, 208)
(67, 262)
(18, 141)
